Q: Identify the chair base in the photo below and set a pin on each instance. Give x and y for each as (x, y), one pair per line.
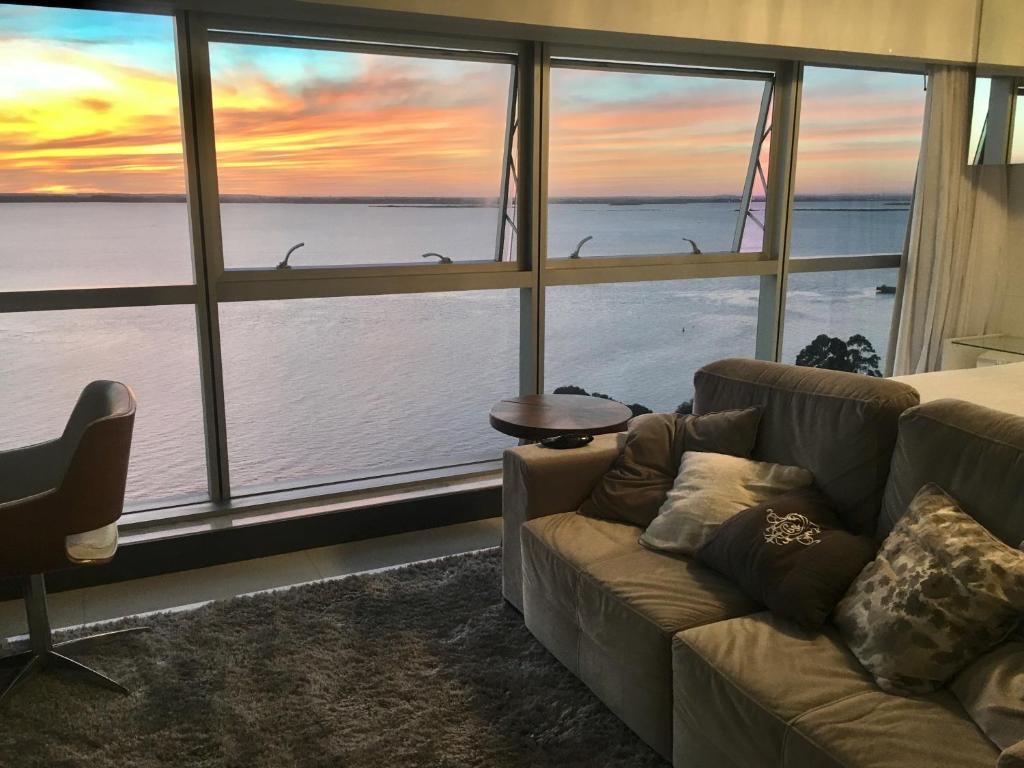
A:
(43, 653)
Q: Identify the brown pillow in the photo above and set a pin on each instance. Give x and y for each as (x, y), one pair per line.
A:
(790, 554)
(633, 489)
(942, 591)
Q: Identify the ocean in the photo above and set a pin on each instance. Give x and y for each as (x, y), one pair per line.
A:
(357, 387)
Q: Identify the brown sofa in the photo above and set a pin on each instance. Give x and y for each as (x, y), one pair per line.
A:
(700, 672)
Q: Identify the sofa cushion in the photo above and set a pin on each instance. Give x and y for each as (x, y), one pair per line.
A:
(790, 554)
(840, 426)
(941, 592)
(880, 730)
(709, 489)
(740, 683)
(633, 489)
(1012, 757)
(768, 693)
(992, 691)
(976, 454)
(558, 547)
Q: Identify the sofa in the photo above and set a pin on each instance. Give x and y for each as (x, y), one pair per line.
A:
(699, 671)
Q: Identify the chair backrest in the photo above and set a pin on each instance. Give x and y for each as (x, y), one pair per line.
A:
(975, 454)
(96, 448)
(840, 426)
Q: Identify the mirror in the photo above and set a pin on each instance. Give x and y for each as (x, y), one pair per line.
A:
(997, 121)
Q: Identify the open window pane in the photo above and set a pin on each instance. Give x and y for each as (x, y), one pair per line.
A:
(364, 158)
(840, 320)
(860, 138)
(322, 390)
(46, 358)
(642, 342)
(643, 163)
(91, 171)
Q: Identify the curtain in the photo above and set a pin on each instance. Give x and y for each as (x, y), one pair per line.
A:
(957, 244)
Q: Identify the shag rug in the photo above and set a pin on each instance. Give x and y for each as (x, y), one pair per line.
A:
(420, 666)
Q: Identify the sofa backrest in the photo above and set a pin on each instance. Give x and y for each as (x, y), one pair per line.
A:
(974, 453)
(840, 426)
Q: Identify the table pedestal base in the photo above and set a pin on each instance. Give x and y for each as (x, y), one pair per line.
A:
(563, 442)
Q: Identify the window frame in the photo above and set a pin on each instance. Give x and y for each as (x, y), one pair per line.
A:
(531, 272)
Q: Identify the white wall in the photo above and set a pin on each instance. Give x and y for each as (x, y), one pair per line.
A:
(1013, 299)
(934, 30)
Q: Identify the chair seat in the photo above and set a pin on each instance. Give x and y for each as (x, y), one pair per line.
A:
(97, 544)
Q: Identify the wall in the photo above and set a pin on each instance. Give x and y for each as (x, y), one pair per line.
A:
(1001, 37)
(1012, 315)
(935, 30)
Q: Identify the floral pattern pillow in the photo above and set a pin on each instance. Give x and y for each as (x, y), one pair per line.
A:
(942, 591)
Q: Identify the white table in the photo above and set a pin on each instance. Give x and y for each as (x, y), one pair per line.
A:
(995, 386)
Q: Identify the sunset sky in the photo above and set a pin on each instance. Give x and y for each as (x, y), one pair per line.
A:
(88, 102)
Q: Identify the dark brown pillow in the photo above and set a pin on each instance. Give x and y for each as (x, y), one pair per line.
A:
(633, 489)
(791, 554)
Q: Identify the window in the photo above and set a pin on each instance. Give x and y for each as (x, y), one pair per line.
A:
(92, 195)
(323, 390)
(642, 342)
(656, 161)
(852, 310)
(860, 138)
(92, 191)
(362, 158)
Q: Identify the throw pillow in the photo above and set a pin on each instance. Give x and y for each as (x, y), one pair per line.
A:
(633, 489)
(709, 489)
(992, 691)
(942, 591)
(790, 554)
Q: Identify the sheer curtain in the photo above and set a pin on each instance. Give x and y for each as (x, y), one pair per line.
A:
(958, 232)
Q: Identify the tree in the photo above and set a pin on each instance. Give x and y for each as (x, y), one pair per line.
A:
(572, 389)
(855, 355)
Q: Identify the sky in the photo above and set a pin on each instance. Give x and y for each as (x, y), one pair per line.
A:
(89, 103)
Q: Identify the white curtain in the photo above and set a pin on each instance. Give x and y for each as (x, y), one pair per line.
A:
(957, 244)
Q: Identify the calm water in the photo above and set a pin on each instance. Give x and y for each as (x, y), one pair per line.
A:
(366, 386)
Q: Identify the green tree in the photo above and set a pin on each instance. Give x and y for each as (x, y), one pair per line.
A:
(856, 355)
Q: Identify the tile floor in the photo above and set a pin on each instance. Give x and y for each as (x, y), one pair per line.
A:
(189, 588)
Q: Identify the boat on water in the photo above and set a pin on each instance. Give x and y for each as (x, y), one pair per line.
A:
(885, 289)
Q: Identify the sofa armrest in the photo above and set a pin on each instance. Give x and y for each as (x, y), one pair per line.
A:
(539, 481)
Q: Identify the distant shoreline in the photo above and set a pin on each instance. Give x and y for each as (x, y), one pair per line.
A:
(401, 201)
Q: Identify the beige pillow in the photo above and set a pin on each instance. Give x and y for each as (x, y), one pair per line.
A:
(992, 691)
(709, 489)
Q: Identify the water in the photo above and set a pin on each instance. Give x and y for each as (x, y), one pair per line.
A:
(367, 386)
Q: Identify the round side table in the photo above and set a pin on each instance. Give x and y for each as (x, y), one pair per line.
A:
(559, 421)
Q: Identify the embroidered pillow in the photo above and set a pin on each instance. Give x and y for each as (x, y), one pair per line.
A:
(790, 554)
(709, 489)
(633, 489)
(942, 591)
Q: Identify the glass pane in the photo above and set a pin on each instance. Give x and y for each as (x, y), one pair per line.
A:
(642, 342)
(645, 163)
(355, 387)
(1017, 140)
(826, 312)
(92, 179)
(46, 358)
(860, 137)
(364, 158)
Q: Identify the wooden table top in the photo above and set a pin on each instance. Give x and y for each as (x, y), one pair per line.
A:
(535, 417)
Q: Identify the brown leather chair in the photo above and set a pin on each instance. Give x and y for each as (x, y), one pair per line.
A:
(59, 506)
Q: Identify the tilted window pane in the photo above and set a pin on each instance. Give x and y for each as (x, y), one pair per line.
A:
(860, 138)
(91, 168)
(322, 390)
(364, 158)
(46, 358)
(642, 342)
(644, 163)
(840, 319)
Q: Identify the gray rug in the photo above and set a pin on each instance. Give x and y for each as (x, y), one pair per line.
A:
(420, 666)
